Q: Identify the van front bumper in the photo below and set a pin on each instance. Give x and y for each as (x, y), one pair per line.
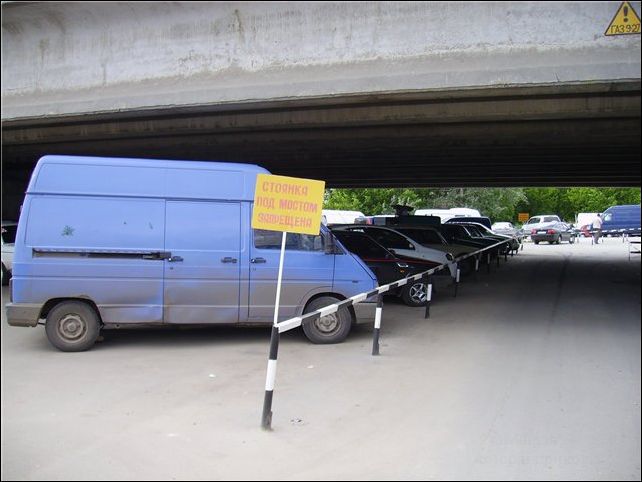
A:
(23, 314)
(365, 311)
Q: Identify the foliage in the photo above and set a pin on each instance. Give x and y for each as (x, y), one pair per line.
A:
(568, 202)
(495, 203)
(500, 204)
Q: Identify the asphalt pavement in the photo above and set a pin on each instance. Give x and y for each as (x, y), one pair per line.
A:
(531, 373)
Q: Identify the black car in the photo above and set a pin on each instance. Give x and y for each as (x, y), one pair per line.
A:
(388, 267)
(554, 233)
(460, 234)
(482, 231)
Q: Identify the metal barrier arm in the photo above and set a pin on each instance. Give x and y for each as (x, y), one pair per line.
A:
(333, 308)
(297, 321)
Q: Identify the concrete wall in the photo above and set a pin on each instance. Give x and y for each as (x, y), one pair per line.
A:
(75, 58)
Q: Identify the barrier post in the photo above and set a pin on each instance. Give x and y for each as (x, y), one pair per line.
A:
(498, 258)
(488, 260)
(476, 266)
(270, 378)
(456, 281)
(266, 422)
(377, 326)
(428, 297)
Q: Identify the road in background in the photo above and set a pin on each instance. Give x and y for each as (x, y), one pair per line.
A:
(532, 372)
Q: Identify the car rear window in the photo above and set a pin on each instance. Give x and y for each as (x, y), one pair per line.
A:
(550, 219)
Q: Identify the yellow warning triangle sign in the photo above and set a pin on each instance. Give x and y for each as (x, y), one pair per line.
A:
(625, 22)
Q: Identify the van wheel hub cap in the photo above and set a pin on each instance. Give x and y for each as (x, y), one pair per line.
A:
(328, 323)
(71, 327)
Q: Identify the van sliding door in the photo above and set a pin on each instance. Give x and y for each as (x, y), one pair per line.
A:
(202, 276)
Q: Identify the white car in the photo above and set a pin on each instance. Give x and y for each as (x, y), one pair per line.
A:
(539, 221)
(8, 239)
(404, 245)
(335, 216)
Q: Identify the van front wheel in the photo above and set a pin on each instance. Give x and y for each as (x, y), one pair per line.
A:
(332, 328)
(72, 326)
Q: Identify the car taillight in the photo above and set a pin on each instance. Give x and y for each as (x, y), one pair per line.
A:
(550, 231)
(533, 231)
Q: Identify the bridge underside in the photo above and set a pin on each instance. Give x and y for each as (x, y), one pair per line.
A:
(578, 135)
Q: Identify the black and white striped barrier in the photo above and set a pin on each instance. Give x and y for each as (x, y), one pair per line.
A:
(297, 321)
(377, 325)
(619, 232)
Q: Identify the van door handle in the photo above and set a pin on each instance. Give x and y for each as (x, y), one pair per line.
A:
(258, 260)
(228, 259)
(174, 259)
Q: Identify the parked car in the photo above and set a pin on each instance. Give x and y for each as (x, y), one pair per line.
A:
(8, 243)
(470, 219)
(585, 230)
(624, 217)
(110, 243)
(504, 228)
(388, 267)
(554, 233)
(400, 244)
(537, 221)
(335, 216)
(485, 232)
(459, 234)
(432, 238)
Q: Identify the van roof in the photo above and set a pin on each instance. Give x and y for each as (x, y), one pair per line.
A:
(108, 176)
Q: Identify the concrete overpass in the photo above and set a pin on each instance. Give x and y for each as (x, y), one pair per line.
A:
(358, 94)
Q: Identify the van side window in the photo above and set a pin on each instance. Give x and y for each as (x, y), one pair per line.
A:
(264, 239)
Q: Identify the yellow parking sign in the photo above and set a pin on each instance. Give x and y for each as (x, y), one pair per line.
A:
(289, 204)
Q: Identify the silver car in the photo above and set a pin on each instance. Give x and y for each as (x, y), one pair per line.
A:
(539, 221)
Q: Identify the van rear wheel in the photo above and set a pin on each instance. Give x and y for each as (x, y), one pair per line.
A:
(332, 328)
(72, 326)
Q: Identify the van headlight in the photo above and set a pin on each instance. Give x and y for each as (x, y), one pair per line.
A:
(450, 257)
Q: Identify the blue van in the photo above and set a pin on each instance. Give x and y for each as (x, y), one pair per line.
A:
(625, 219)
(115, 243)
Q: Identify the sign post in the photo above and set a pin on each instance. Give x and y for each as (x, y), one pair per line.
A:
(286, 204)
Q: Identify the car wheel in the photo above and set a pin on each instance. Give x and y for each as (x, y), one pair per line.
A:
(5, 276)
(571, 240)
(558, 240)
(332, 328)
(72, 326)
(536, 242)
(415, 294)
